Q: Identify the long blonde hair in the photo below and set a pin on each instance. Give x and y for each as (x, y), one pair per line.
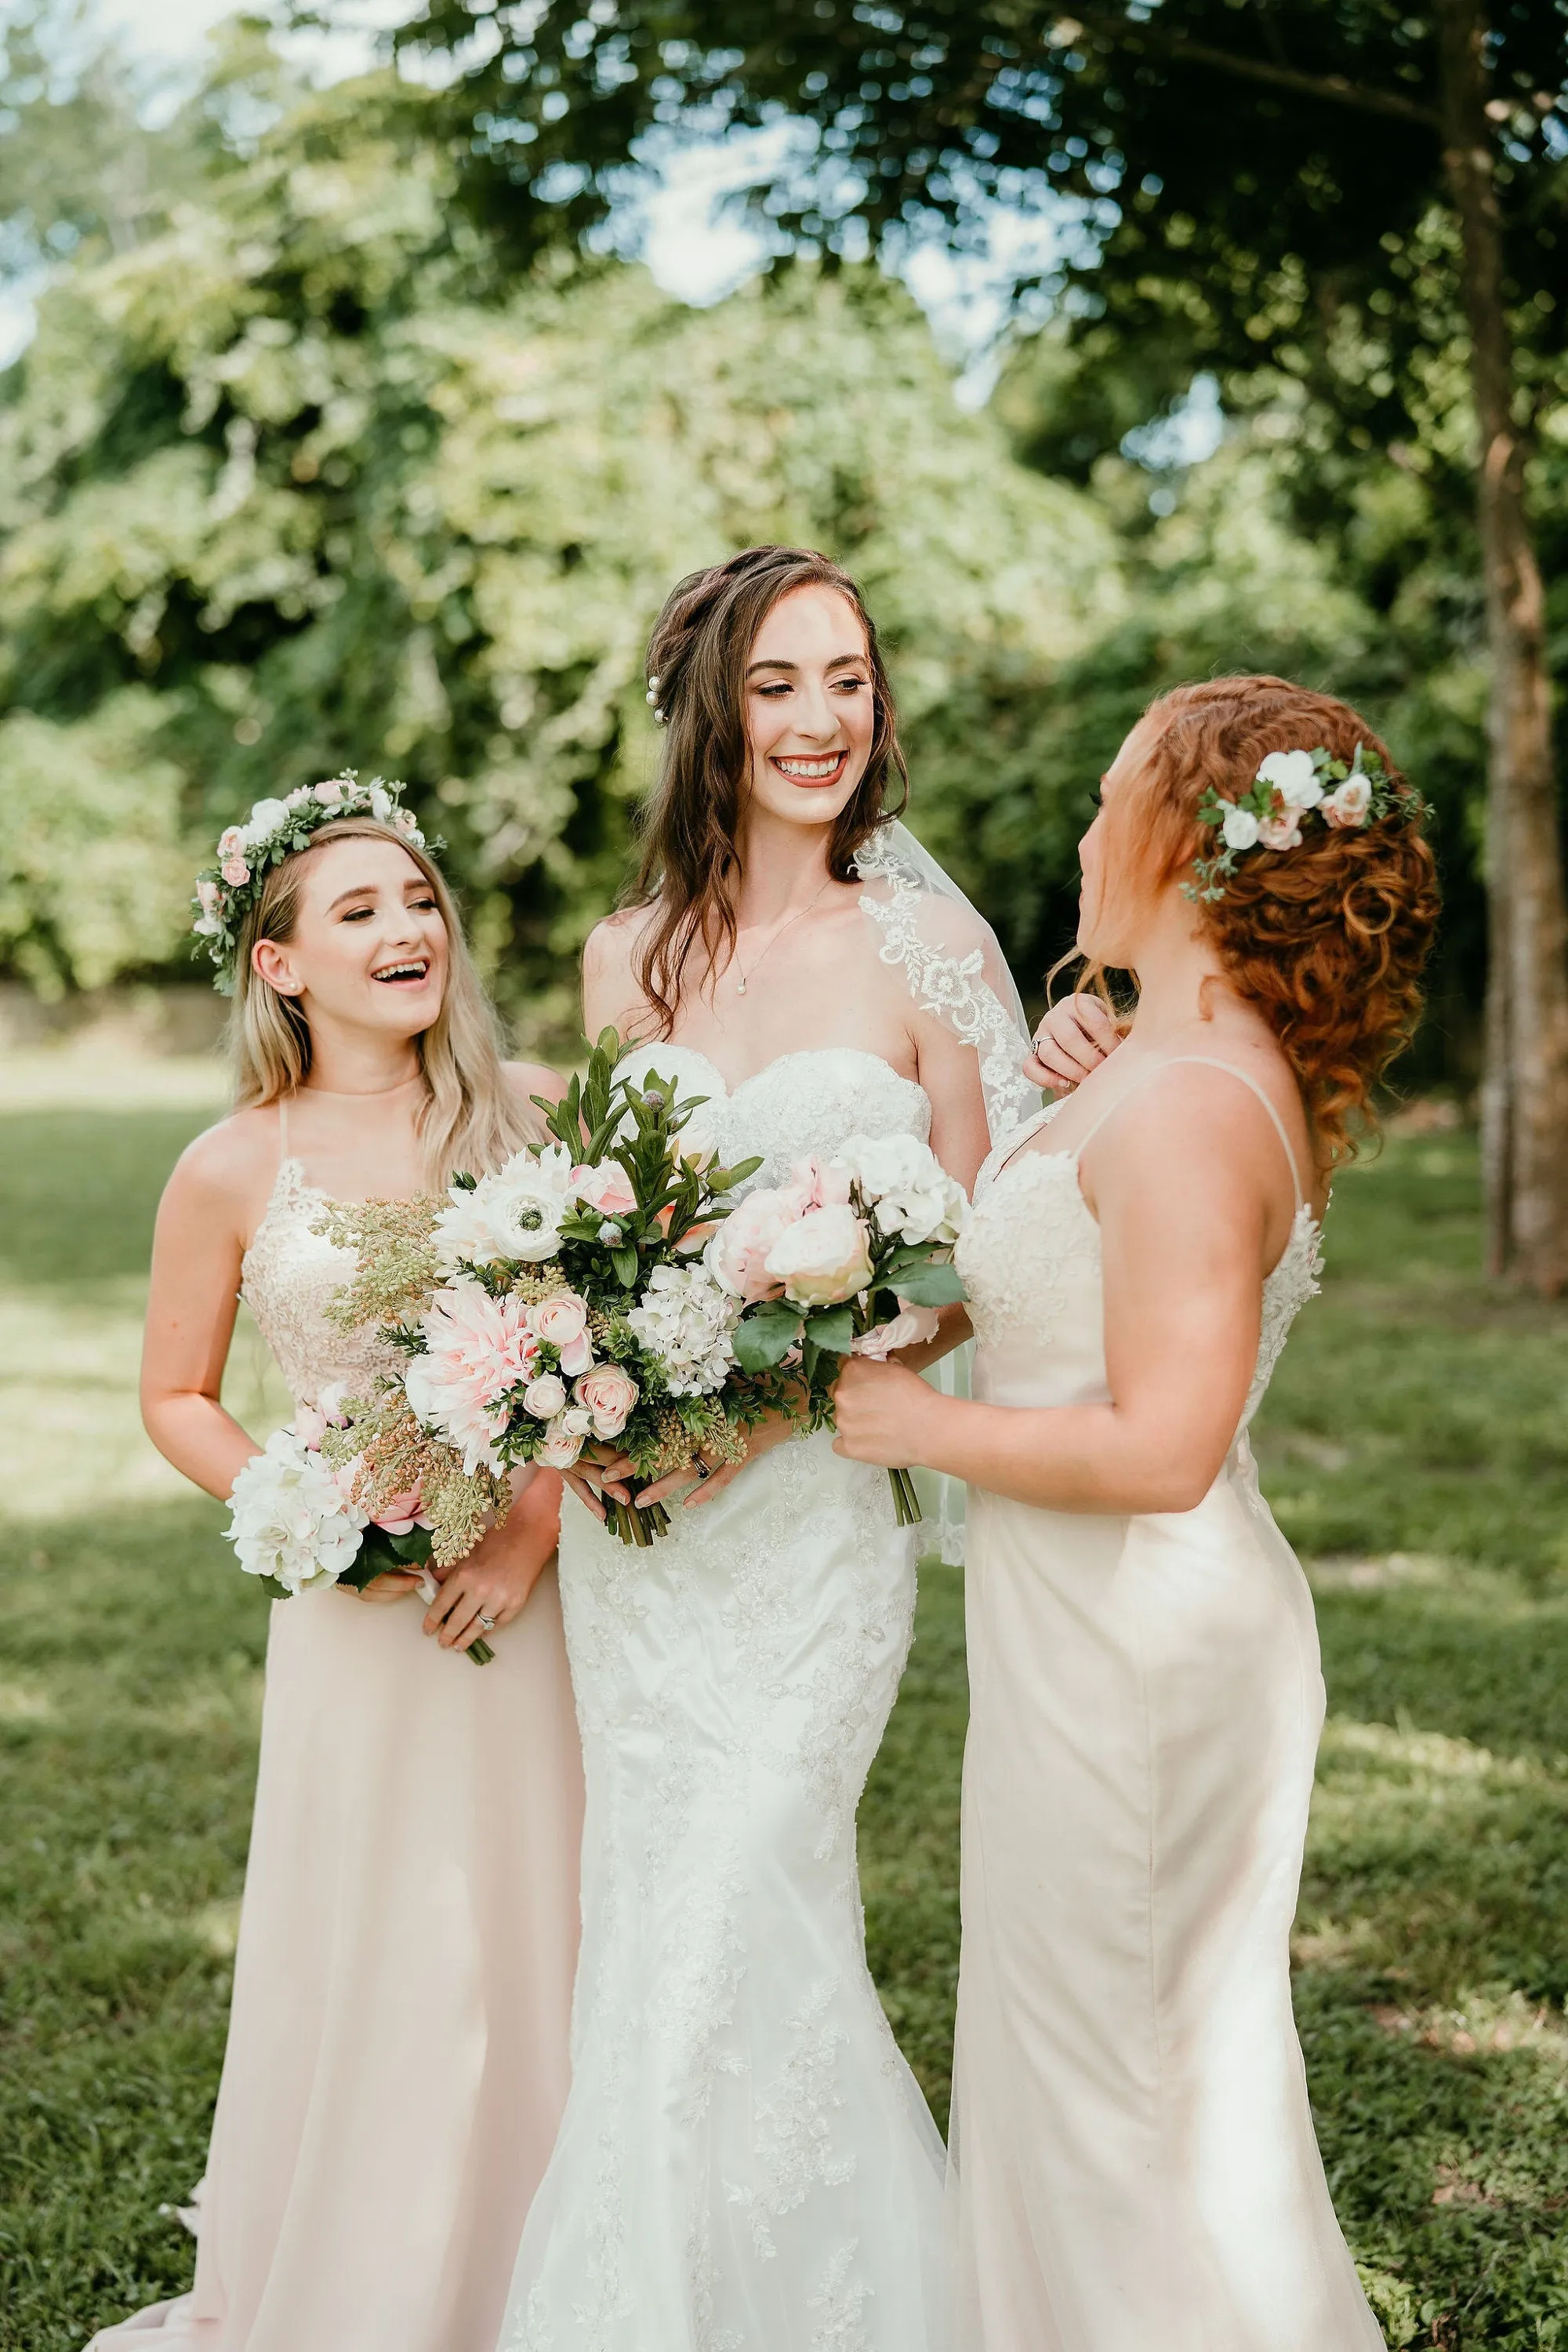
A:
(471, 1119)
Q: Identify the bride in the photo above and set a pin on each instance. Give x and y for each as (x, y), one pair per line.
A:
(746, 2161)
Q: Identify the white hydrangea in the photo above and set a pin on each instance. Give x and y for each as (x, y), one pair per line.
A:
(290, 1518)
(686, 1320)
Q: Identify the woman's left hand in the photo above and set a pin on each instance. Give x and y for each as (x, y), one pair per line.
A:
(880, 1409)
(491, 1585)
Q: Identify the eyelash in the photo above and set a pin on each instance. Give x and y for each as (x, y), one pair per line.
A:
(841, 686)
(422, 906)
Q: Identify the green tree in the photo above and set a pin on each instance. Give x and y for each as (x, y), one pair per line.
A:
(1256, 181)
(302, 479)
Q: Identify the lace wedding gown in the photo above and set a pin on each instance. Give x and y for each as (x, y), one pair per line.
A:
(1133, 2159)
(746, 2163)
(396, 2061)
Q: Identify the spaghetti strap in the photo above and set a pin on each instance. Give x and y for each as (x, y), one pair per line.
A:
(1208, 1062)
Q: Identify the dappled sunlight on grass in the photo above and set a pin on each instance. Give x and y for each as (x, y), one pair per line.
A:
(1415, 1444)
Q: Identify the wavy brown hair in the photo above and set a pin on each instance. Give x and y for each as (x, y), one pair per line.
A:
(690, 860)
(1326, 939)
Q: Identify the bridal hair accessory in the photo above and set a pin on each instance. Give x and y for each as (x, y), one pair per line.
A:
(651, 698)
(275, 830)
(1289, 788)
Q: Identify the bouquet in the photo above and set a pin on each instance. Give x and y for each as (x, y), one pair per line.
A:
(603, 1289)
(562, 1300)
(295, 1522)
(852, 1256)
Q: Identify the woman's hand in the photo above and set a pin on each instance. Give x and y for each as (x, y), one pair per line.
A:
(491, 1585)
(883, 1411)
(701, 1477)
(1071, 1042)
(390, 1585)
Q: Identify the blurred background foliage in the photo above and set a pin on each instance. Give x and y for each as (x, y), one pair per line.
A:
(302, 471)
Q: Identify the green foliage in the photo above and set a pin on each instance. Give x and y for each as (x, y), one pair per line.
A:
(307, 477)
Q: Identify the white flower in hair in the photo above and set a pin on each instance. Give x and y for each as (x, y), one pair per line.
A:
(1294, 776)
(1240, 827)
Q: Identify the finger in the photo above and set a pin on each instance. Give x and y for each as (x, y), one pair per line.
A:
(673, 1482)
(1098, 1021)
(1067, 1046)
(714, 1484)
(462, 1628)
(390, 1585)
(587, 1494)
(445, 1605)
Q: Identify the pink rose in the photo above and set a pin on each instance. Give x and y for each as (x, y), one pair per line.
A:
(210, 896)
(559, 1320)
(234, 871)
(1350, 803)
(328, 794)
(822, 1258)
(1281, 832)
(606, 1188)
(231, 842)
(609, 1394)
(544, 1397)
(560, 1446)
(402, 1513)
(909, 1327)
(738, 1253)
(824, 1184)
(405, 820)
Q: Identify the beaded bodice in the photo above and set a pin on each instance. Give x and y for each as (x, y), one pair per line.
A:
(289, 1278)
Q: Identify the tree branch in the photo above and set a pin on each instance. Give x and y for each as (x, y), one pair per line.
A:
(1334, 89)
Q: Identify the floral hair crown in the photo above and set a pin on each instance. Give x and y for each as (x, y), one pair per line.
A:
(273, 831)
(1292, 787)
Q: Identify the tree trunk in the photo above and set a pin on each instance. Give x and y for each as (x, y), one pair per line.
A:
(1525, 1101)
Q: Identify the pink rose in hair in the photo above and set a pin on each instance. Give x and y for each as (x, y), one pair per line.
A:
(230, 841)
(609, 1394)
(328, 794)
(1350, 803)
(234, 871)
(1281, 832)
(211, 898)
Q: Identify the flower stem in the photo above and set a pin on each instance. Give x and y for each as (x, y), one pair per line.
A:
(906, 1502)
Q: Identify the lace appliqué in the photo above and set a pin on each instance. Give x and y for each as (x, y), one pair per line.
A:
(1285, 1291)
(953, 987)
(289, 1278)
(1029, 1239)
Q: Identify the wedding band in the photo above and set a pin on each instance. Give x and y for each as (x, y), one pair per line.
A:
(489, 1623)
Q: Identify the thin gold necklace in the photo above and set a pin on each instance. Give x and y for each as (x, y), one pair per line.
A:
(745, 976)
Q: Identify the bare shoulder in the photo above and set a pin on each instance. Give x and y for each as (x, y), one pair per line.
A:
(611, 994)
(228, 1168)
(527, 1079)
(1203, 1125)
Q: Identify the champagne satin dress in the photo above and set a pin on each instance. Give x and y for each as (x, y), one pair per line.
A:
(1134, 2163)
(397, 2064)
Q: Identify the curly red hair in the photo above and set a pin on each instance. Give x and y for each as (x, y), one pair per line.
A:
(1326, 939)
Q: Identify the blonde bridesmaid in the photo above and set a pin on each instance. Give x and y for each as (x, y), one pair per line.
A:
(397, 2050)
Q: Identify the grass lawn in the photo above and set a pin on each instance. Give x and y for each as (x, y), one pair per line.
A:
(1415, 1448)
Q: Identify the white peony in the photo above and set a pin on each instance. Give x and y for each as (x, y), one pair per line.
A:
(1239, 828)
(289, 1517)
(822, 1259)
(1293, 777)
(685, 1319)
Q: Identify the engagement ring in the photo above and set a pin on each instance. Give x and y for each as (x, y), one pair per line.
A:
(489, 1623)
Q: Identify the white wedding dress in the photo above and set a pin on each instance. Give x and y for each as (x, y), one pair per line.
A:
(746, 2163)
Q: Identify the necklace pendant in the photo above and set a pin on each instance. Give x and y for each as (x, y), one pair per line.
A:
(741, 987)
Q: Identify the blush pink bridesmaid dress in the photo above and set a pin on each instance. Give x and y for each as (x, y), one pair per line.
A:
(397, 2050)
